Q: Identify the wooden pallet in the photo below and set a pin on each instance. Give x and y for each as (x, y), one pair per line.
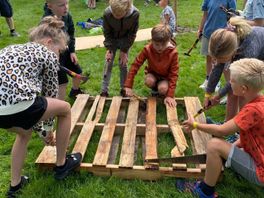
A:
(127, 125)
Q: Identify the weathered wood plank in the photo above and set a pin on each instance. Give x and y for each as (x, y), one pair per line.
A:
(199, 138)
(89, 125)
(128, 146)
(48, 154)
(105, 142)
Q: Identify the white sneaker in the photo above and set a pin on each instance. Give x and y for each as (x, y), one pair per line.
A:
(218, 86)
(223, 100)
(204, 85)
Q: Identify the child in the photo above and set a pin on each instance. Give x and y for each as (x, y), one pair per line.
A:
(7, 12)
(28, 99)
(213, 18)
(120, 28)
(167, 15)
(238, 40)
(68, 59)
(245, 156)
(254, 12)
(162, 70)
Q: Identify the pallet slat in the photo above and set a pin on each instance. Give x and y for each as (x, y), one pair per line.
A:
(105, 142)
(128, 146)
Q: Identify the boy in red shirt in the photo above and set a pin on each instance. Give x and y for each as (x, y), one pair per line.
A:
(246, 155)
(162, 70)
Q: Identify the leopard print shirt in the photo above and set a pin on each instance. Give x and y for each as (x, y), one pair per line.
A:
(28, 70)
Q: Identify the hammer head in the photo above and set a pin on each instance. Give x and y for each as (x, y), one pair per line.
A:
(187, 54)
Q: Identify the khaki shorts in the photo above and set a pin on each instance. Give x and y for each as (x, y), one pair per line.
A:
(204, 46)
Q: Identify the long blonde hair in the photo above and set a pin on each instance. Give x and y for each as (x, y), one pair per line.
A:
(50, 27)
(224, 42)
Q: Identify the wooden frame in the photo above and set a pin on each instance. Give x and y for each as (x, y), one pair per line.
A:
(127, 119)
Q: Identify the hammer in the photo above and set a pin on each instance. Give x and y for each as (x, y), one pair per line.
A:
(193, 46)
(73, 74)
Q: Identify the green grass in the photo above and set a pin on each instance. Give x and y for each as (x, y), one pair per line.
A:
(27, 14)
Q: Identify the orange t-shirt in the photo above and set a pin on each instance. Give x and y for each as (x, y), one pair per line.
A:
(250, 120)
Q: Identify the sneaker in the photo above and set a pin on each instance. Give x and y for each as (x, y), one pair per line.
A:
(209, 120)
(218, 86)
(223, 101)
(123, 92)
(72, 161)
(204, 85)
(14, 190)
(104, 94)
(75, 92)
(198, 192)
(14, 34)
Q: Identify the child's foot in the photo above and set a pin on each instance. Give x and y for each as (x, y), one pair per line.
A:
(14, 34)
(75, 92)
(104, 94)
(204, 85)
(72, 161)
(14, 190)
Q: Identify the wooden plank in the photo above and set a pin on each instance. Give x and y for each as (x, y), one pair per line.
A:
(151, 130)
(199, 138)
(128, 146)
(89, 125)
(176, 130)
(105, 142)
(48, 154)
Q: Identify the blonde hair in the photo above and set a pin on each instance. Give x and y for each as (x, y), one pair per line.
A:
(161, 33)
(248, 71)
(50, 27)
(120, 7)
(224, 42)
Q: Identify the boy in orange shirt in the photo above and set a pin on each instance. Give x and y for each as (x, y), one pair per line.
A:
(162, 70)
(246, 155)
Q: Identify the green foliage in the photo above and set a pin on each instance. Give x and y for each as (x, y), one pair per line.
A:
(27, 14)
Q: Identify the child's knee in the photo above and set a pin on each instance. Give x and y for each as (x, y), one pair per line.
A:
(150, 82)
(163, 88)
(214, 144)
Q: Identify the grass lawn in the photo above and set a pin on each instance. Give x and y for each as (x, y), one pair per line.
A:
(27, 13)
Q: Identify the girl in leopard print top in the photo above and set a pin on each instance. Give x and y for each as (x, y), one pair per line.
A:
(28, 91)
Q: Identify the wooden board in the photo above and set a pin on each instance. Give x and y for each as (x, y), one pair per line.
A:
(127, 135)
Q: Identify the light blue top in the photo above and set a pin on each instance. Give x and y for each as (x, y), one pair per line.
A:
(254, 9)
(172, 21)
(216, 17)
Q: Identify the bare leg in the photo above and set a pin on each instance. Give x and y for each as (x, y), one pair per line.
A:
(62, 110)
(18, 154)
(217, 149)
(150, 80)
(62, 91)
(208, 65)
(163, 87)
(10, 23)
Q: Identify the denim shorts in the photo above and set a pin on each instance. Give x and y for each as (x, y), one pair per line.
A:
(25, 119)
(243, 164)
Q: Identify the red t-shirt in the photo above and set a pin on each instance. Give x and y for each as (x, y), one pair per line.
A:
(250, 120)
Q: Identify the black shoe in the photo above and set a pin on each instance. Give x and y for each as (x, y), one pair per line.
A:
(104, 94)
(72, 161)
(123, 92)
(14, 190)
(75, 92)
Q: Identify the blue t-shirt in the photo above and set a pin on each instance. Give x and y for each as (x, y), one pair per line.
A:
(172, 21)
(216, 17)
(254, 9)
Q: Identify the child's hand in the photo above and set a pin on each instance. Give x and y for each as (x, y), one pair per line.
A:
(49, 140)
(215, 100)
(108, 56)
(170, 101)
(129, 92)
(74, 58)
(207, 104)
(123, 59)
(188, 124)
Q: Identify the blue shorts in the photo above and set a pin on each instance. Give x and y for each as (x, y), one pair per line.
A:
(25, 119)
(6, 9)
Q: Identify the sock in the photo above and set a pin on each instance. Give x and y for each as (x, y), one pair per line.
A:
(207, 77)
(12, 30)
(208, 190)
(62, 165)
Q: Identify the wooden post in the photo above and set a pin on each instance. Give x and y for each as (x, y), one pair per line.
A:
(175, 7)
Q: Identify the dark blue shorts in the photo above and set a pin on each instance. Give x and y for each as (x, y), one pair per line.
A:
(25, 119)
(65, 61)
(6, 9)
